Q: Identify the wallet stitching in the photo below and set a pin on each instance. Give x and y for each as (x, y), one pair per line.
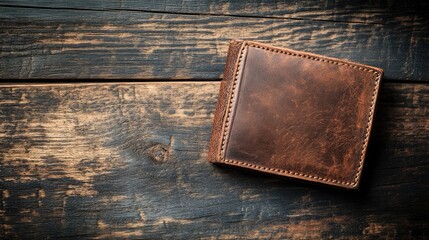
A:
(377, 76)
(226, 125)
(229, 103)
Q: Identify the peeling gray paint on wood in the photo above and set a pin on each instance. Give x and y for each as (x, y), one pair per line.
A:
(129, 161)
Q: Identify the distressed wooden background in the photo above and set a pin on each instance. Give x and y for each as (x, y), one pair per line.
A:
(126, 156)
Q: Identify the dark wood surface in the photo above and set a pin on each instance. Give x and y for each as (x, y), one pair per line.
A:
(46, 39)
(81, 159)
(129, 160)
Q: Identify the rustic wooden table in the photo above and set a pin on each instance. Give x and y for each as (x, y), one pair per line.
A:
(90, 158)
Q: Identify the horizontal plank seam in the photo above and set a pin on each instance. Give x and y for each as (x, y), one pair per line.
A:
(77, 84)
(47, 81)
(33, 82)
(192, 13)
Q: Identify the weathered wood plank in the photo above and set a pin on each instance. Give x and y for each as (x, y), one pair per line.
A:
(373, 12)
(82, 44)
(129, 160)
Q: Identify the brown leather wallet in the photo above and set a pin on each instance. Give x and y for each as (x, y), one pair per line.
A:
(294, 114)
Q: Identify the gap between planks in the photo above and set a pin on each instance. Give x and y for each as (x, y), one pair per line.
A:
(190, 14)
(40, 83)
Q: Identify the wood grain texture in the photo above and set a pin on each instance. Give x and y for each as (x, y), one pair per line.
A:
(117, 44)
(373, 12)
(129, 161)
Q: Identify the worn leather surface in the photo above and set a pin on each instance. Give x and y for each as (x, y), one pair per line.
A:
(295, 114)
(222, 103)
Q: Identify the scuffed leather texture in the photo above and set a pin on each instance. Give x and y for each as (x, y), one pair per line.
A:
(222, 103)
(294, 114)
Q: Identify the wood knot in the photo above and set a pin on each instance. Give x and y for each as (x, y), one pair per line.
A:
(160, 153)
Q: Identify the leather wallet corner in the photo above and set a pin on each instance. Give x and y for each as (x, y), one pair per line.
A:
(224, 94)
(294, 114)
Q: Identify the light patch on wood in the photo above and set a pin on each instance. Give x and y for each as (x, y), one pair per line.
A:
(24, 210)
(225, 7)
(68, 150)
(7, 226)
(226, 236)
(28, 219)
(125, 35)
(74, 142)
(5, 194)
(110, 27)
(31, 195)
(380, 229)
(81, 190)
(133, 228)
(249, 195)
(73, 38)
(121, 234)
(42, 193)
(142, 215)
(169, 220)
(66, 153)
(182, 72)
(136, 224)
(20, 179)
(293, 229)
(279, 220)
(101, 225)
(185, 112)
(203, 156)
(117, 198)
(311, 229)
